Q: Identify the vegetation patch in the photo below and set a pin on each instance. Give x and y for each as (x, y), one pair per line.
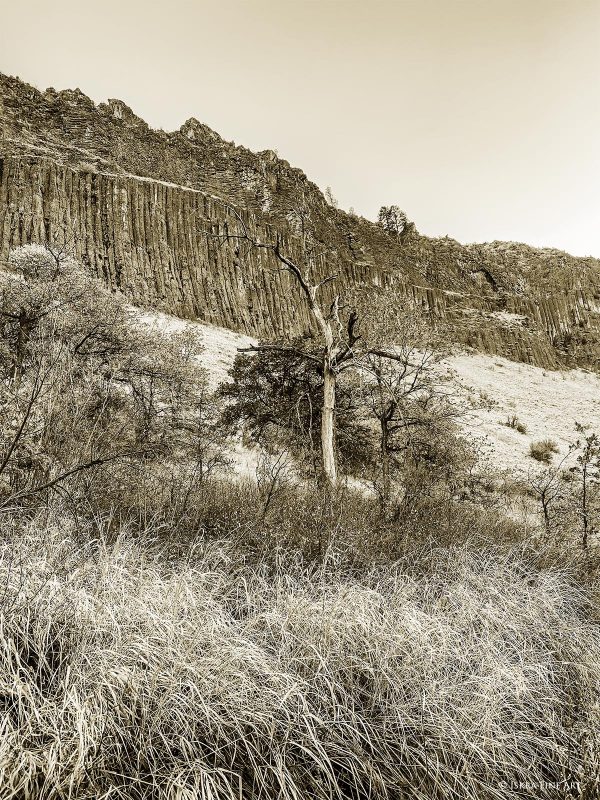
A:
(543, 450)
(375, 625)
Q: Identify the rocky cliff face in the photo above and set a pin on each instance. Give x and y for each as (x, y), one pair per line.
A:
(141, 207)
(161, 245)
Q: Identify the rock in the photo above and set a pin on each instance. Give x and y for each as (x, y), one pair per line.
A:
(142, 207)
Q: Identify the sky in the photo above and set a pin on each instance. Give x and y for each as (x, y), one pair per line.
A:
(479, 118)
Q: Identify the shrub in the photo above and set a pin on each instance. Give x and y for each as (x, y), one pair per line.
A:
(88, 393)
(514, 422)
(543, 450)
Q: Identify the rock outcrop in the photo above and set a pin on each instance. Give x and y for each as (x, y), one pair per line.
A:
(144, 209)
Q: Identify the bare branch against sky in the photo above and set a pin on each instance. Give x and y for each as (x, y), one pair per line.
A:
(480, 119)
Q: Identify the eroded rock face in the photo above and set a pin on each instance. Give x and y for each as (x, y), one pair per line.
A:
(143, 207)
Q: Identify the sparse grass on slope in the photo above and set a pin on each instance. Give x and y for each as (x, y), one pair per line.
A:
(127, 676)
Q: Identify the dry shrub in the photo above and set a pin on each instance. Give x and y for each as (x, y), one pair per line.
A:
(515, 423)
(543, 450)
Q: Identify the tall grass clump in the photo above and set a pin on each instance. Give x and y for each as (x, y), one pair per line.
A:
(130, 673)
(543, 450)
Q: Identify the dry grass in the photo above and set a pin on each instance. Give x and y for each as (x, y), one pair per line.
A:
(543, 450)
(129, 674)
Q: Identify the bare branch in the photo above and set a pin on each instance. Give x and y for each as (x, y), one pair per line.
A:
(95, 462)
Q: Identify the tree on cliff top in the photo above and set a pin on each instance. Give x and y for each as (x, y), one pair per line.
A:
(394, 221)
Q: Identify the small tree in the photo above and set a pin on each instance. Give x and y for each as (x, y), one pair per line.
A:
(394, 221)
(276, 396)
(587, 473)
(47, 382)
(569, 497)
(337, 343)
(549, 490)
(408, 395)
(82, 383)
(329, 196)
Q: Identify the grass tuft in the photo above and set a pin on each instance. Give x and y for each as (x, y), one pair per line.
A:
(543, 450)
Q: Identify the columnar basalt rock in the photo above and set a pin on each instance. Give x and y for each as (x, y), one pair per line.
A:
(160, 244)
(144, 210)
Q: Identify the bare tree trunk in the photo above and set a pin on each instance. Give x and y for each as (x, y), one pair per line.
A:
(584, 507)
(328, 422)
(332, 355)
(329, 391)
(546, 510)
(385, 464)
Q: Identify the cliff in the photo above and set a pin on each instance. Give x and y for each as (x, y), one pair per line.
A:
(141, 206)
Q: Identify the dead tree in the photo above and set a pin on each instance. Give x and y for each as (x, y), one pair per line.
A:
(338, 342)
(342, 345)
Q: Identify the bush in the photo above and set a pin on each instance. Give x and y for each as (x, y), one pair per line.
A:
(514, 422)
(543, 450)
(88, 394)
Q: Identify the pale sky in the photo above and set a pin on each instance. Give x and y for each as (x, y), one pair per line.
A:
(479, 118)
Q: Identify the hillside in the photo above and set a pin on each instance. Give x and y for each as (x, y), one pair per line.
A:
(136, 204)
(491, 389)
